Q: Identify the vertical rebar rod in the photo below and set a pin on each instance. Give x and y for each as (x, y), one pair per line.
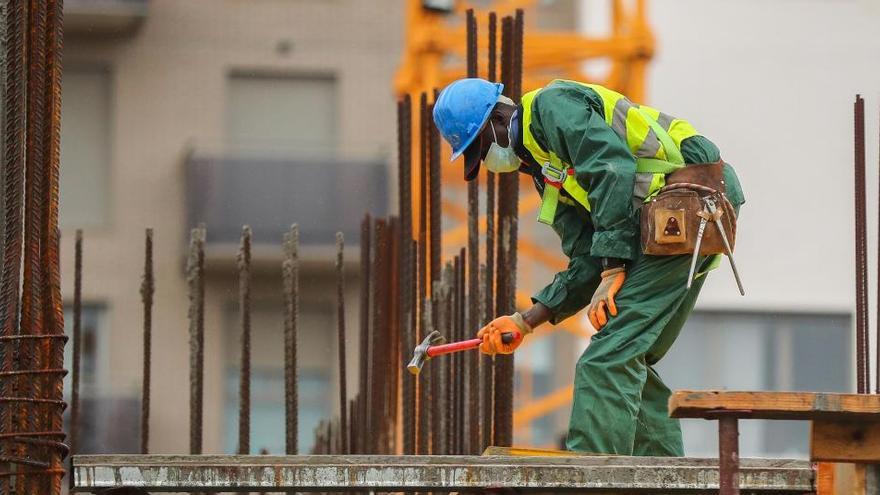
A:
(13, 190)
(77, 341)
(488, 371)
(423, 382)
(290, 276)
(195, 266)
(364, 345)
(53, 307)
(436, 212)
(244, 313)
(461, 375)
(148, 289)
(405, 271)
(472, 359)
(379, 345)
(31, 416)
(340, 345)
(861, 249)
(448, 284)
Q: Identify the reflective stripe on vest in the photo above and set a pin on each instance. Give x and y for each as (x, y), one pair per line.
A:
(654, 138)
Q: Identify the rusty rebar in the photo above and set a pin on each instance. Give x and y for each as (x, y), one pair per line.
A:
(195, 281)
(31, 417)
(244, 313)
(448, 304)
(363, 355)
(487, 363)
(77, 341)
(13, 194)
(861, 258)
(341, 345)
(53, 306)
(290, 276)
(405, 309)
(148, 289)
(378, 344)
(511, 71)
(436, 212)
(423, 382)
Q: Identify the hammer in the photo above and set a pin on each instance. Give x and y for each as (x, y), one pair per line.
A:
(431, 346)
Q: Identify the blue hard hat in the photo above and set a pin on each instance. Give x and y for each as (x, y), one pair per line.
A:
(462, 109)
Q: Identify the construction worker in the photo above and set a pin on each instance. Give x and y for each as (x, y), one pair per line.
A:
(595, 157)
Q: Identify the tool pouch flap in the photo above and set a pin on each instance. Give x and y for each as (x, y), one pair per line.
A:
(709, 175)
(670, 222)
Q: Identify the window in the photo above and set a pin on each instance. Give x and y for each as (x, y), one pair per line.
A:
(759, 351)
(266, 113)
(85, 147)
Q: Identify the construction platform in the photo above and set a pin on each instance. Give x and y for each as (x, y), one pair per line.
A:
(328, 473)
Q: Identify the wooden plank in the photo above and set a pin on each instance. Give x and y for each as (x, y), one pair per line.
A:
(774, 405)
(845, 441)
(534, 452)
(378, 473)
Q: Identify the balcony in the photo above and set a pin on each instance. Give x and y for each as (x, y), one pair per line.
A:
(322, 195)
(104, 18)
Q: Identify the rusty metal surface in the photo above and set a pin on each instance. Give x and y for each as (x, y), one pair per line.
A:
(341, 344)
(290, 281)
(244, 313)
(728, 454)
(195, 280)
(77, 341)
(613, 474)
(148, 289)
(861, 249)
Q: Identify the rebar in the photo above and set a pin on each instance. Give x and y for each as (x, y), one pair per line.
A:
(363, 355)
(488, 364)
(32, 418)
(861, 258)
(405, 309)
(195, 281)
(290, 276)
(77, 341)
(148, 289)
(244, 310)
(53, 307)
(423, 383)
(341, 345)
(13, 194)
(378, 344)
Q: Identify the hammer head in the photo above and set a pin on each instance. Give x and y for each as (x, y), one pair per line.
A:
(420, 353)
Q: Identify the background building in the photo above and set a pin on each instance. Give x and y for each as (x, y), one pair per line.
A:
(272, 112)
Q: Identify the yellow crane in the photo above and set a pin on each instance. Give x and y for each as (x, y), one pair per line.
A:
(434, 55)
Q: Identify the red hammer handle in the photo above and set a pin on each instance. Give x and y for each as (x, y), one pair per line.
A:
(464, 345)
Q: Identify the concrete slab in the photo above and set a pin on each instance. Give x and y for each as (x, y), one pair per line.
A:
(586, 474)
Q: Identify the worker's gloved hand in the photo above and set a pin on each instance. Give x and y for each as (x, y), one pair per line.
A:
(603, 298)
(492, 334)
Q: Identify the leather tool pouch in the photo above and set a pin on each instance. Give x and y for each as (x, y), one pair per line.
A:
(671, 220)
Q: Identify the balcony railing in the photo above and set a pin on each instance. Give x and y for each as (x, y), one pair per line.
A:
(323, 196)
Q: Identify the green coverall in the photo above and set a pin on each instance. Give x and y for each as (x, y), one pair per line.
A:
(620, 402)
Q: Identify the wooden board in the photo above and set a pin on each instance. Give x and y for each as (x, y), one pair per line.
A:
(845, 441)
(530, 451)
(774, 405)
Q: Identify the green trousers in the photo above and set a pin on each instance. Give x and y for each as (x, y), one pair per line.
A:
(620, 402)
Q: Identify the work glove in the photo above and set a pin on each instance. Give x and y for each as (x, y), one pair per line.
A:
(603, 298)
(491, 334)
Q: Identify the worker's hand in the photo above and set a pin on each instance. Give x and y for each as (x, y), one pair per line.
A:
(603, 298)
(492, 333)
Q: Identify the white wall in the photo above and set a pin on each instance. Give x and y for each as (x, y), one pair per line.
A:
(773, 83)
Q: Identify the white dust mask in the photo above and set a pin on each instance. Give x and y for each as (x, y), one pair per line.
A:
(500, 159)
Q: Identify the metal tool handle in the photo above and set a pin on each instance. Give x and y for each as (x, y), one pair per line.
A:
(464, 345)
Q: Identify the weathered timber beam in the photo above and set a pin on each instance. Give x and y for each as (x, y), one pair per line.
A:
(774, 405)
(606, 474)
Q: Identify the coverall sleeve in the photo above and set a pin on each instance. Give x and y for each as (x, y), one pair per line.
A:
(571, 288)
(566, 122)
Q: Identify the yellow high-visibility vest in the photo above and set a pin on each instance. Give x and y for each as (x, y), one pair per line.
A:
(653, 137)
